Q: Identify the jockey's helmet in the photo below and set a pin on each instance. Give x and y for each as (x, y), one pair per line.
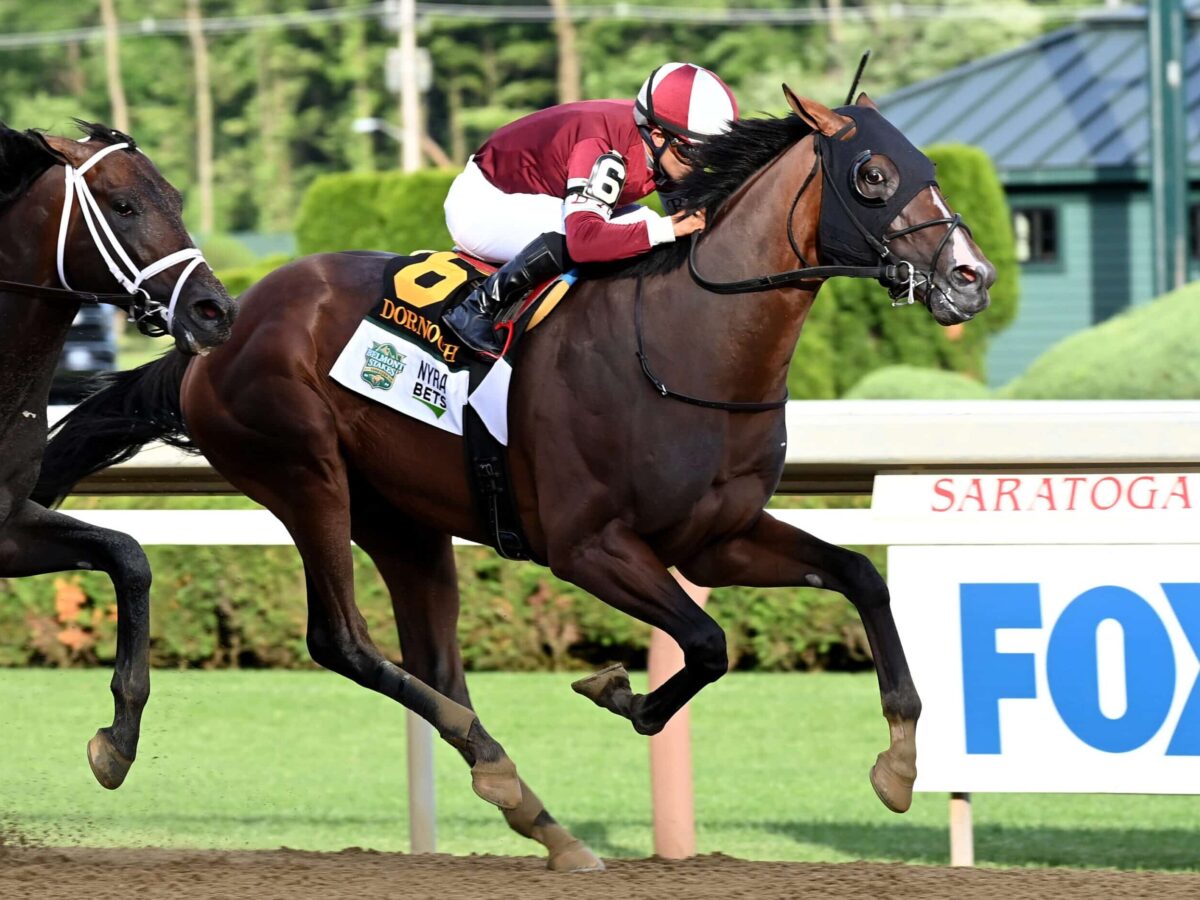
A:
(685, 101)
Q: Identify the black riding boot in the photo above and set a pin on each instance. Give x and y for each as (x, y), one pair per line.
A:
(474, 320)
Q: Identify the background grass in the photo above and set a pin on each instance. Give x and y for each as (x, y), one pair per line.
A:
(309, 761)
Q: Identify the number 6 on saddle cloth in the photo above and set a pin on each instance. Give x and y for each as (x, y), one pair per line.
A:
(401, 356)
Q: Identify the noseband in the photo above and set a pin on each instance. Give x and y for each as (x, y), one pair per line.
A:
(145, 308)
(146, 311)
(900, 276)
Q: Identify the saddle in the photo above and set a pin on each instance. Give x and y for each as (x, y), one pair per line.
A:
(418, 289)
(401, 355)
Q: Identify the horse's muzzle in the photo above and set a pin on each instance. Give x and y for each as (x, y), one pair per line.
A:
(203, 322)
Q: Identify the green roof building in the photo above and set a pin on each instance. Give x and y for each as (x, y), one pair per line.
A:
(1066, 120)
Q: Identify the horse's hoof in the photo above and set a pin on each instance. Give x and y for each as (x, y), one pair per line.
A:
(497, 782)
(893, 788)
(109, 765)
(608, 688)
(575, 857)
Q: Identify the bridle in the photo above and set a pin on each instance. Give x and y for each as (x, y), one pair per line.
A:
(152, 316)
(899, 276)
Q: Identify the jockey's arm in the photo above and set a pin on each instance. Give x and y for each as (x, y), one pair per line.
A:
(595, 179)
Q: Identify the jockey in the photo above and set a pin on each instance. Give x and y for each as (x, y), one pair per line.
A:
(557, 187)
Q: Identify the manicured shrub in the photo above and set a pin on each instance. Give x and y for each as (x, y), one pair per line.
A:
(374, 211)
(238, 278)
(1146, 353)
(915, 383)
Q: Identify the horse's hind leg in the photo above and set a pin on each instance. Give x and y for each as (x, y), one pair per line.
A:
(773, 554)
(299, 474)
(35, 541)
(418, 567)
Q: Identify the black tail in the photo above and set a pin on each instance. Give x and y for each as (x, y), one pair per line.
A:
(131, 409)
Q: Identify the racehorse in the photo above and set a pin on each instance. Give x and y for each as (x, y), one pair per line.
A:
(615, 478)
(77, 218)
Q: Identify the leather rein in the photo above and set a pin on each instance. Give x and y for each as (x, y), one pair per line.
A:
(898, 275)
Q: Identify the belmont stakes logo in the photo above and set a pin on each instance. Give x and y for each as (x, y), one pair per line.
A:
(430, 389)
(381, 366)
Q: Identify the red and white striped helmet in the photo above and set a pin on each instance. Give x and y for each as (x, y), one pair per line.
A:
(685, 100)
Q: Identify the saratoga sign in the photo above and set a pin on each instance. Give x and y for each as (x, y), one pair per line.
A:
(954, 494)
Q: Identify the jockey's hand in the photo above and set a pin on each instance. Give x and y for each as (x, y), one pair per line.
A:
(687, 223)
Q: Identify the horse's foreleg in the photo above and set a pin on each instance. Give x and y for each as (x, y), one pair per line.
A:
(773, 554)
(419, 570)
(36, 541)
(617, 566)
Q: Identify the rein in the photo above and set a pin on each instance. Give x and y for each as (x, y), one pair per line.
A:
(898, 275)
(663, 390)
(122, 301)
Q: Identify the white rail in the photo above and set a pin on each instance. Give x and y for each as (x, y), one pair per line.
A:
(839, 446)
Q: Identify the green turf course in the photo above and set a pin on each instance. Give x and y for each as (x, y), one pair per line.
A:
(309, 761)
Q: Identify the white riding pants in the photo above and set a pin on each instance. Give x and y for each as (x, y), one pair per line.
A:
(494, 226)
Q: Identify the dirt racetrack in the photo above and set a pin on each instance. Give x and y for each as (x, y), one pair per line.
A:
(29, 873)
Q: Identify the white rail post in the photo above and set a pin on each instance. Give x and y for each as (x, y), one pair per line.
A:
(671, 752)
(962, 835)
(422, 807)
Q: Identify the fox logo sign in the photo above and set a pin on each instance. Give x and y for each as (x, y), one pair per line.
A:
(1072, 663)
(1053, 668)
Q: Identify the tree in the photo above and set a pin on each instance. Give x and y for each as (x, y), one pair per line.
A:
(204, 116)
(112, 56)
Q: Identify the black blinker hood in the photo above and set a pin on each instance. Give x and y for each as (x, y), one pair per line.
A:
(852, 226)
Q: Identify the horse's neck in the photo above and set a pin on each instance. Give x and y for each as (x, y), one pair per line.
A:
(751, 239)
(32, 330)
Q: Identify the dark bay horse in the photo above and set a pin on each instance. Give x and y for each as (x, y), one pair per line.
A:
(615, 482)
(78, 217)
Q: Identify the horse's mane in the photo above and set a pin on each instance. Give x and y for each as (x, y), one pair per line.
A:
(24, 156)
(723, 165)
(23, 159)
(100, 132)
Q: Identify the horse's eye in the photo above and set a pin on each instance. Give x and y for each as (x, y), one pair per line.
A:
(123, 208)
(874, 176)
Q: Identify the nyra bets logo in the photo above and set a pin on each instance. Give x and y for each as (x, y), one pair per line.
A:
(430, 388)
(381, 366)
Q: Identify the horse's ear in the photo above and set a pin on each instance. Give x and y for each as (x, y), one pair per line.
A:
(57, 155)
(864, 100)
(818, 116)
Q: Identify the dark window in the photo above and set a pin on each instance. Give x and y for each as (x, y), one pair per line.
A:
(1036, 233)
(1194, 229)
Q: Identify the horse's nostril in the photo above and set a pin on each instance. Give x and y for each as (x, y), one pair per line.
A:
(966, 274)
(209, 310)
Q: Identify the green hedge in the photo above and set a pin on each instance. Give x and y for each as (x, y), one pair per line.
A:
(238, 278)
(851, 331)
(374, 211)
(244, 607)
(1146, 353)
(915, 383)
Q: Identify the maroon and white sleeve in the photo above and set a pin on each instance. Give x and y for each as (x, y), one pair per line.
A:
(595, 179)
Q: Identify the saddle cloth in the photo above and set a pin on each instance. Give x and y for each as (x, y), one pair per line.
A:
(401, 356)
